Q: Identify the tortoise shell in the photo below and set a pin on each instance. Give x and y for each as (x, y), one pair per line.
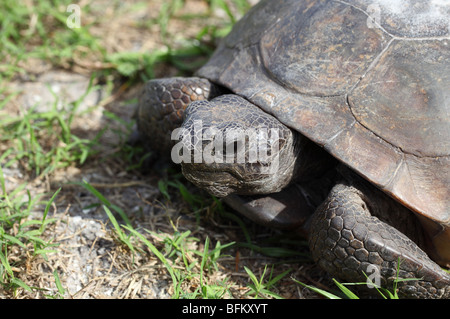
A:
(369, 83)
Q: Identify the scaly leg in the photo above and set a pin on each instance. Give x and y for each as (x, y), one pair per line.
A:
(346, 240)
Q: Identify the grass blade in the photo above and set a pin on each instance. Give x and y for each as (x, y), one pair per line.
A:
(345, 290)
(47, 207)
(106, 202)
(20, 283)
(158, 254)
(318, 290)
(124, 238)
(59, 286)
(6, 264)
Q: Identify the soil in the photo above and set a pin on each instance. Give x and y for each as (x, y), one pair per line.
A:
(90, 260)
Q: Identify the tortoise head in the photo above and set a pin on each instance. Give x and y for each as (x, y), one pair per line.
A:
(229, 145)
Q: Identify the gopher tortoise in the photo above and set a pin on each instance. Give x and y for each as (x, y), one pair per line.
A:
(330, 119)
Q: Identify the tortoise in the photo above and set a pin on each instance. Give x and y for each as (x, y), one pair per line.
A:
(352, 104)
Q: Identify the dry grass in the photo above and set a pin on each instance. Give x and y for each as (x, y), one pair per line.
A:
(90, 260)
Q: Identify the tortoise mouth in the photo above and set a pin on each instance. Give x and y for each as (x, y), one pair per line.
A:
(216, 183)
(232, 179)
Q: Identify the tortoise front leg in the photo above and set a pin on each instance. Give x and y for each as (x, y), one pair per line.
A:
(347, 240)
(161, 107)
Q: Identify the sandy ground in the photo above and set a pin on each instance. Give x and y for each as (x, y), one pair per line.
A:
(89, 260)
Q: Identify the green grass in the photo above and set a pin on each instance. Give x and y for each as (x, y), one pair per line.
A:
(262, 289)
(19, 232)
(382, 292)
(194, 263)
(40, 32)
(25, 34)
(184, 264)
(41, 143)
